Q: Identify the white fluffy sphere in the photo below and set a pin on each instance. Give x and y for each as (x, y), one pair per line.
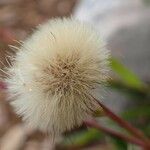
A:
(54, 73)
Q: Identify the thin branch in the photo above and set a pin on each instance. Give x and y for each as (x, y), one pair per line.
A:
(136, 132)
(133, 140)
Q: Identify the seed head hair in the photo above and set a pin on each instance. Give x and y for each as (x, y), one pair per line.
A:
(53, 73)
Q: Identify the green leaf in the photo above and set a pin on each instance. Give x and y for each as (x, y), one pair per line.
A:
(138, 112)
(81, 139)
(147, 130)
(125, 74)
(119, 144)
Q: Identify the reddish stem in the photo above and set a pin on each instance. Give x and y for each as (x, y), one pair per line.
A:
(93, 123)
(137, 133)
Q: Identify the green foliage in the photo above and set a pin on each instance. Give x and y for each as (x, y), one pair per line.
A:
(127, 76)
(137, 112)
(147, 2)
(119, 144)
(80, 139)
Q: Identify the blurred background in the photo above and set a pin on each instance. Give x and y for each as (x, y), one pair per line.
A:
(124, 24)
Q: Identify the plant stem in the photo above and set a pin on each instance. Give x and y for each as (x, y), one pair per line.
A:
(93, 123)
(136, 132)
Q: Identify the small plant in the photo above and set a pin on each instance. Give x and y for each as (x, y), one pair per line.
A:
(52, 80)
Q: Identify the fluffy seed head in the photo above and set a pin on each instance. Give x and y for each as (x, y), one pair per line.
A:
(53, 73)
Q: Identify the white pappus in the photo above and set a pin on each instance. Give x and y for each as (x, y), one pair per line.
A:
(53, 74)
